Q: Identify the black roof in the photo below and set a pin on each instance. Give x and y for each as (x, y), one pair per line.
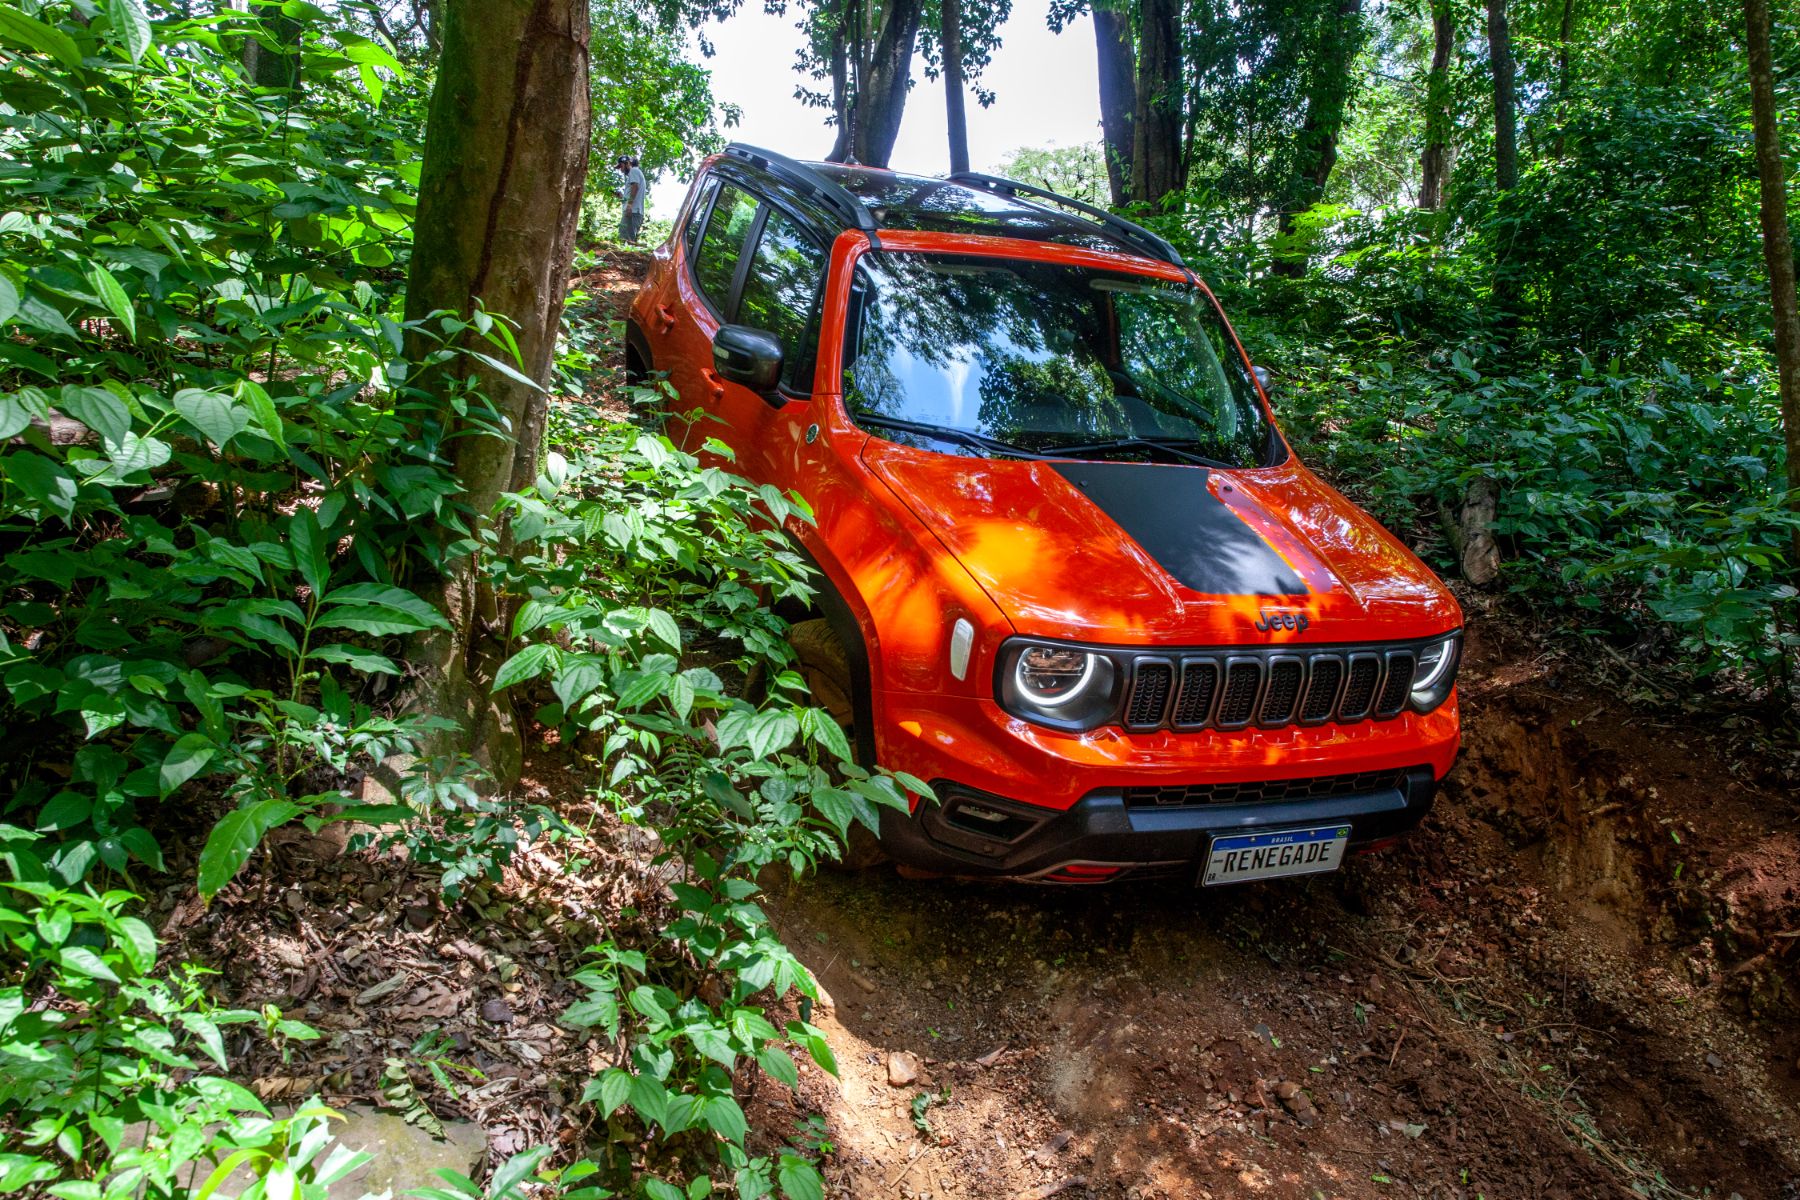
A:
(901, 201)
(872, 199)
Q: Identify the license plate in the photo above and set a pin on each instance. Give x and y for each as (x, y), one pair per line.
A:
(1242, 857)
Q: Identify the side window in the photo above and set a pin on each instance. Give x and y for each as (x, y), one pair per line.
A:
(696, 213)
(722, 244)
(781, 294)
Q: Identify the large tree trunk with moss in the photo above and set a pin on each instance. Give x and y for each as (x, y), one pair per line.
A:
(1778, 245)
(1434, 163)
(1156, 163)
(506, 146)
(1118, 69)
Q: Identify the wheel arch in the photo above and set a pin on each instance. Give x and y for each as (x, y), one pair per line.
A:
(831, 604)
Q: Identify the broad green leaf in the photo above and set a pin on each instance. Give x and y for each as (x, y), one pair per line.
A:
(528, 663)
(131, 25)
(41, 479)
(392, 598)
(771, 732)
(726, 1118)
(576, 678)
(268, 418)
(515, 1171)
(799, 1179)
(132, 454)
(185, 760)
(312, 556)
(664, 627)
(235, 838)
(615, 1086)
(9, 299)
(366, 661)
(777, 1065)
(111, 293)
(214, 414)
(85, 962)
(138, 943)
(33, 34)
(97, 408)
(207, 1032)
(378, 622)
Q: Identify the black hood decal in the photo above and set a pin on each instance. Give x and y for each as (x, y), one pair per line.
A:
(1172, 513)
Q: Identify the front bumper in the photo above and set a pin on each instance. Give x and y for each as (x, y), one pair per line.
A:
(1106, 829)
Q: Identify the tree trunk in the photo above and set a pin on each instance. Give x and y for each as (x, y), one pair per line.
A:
(1434, 163)
(956, 119)
(1156, 115)
(1506, 134)
(1566, 36)
(1326, 103)
(1112, 41)
(1778, 246)
(506, 146)
(270, 67)
(878, 93)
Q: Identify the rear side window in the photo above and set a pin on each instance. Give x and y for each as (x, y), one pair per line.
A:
(723, 244)
(696, 214)
(781, 294)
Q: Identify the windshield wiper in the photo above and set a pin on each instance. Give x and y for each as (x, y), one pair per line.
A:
(967, 437)
(1178, 448)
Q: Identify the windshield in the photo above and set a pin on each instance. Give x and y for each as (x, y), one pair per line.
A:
(1047, 359)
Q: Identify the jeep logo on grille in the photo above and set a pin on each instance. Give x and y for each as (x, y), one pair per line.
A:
(1273, 620)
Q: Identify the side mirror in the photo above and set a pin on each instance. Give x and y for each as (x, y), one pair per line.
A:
(750, 357)
(1266, 380)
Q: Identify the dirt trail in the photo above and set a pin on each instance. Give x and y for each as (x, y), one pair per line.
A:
(1577, 980)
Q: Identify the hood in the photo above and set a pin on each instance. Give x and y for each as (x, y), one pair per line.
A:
(1154, 554)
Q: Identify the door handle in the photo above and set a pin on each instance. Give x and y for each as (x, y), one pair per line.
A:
(665, 317)
(715, 382)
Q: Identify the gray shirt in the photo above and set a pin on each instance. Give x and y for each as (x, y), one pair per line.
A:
(634, 202)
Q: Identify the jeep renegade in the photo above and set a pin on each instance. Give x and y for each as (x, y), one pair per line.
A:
(1070, 571)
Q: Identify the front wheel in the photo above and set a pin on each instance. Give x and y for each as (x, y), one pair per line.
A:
(826, 668)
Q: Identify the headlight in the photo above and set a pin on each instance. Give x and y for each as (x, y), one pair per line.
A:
(1436, 672)
(1064, 687)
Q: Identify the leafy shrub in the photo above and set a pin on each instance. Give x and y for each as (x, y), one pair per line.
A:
(224, 474)
(1627, 498)
(642, 575)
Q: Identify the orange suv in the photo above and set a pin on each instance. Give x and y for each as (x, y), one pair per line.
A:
(1070, 571)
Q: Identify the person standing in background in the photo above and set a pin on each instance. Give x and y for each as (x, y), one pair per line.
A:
(632, 196)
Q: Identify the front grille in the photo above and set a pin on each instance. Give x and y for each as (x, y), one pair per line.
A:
(1150, 693)
(1398, 685)
(1285, 677)
(1268, 688)
(1365, 673)
(1242, 679)
(1266, 791)
(1322, 688)
(1199, 684)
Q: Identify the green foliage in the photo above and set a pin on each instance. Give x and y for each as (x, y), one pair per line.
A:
(649, 99)
(1627, 499)
(117, 1090)
(1078, 172)
(644, 578)
(224, 470)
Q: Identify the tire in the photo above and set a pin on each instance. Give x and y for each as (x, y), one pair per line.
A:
(826, 668)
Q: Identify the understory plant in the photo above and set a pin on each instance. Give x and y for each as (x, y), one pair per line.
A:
(643, 579)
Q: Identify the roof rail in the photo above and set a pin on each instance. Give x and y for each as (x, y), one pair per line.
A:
(1127, 231)
(799, 175)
